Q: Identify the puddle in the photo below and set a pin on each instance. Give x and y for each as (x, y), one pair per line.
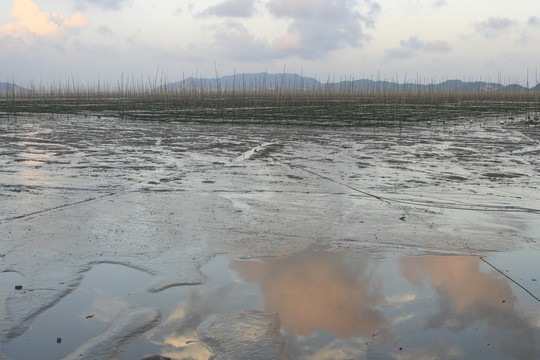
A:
(107, 291)
(342, 305)
(10, 279)
(314, 304)
(521, 267)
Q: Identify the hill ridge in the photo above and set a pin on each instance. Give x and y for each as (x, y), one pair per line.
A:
(289, 81)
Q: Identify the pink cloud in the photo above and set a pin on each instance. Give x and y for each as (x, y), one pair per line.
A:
(32, 22)
(288, 43)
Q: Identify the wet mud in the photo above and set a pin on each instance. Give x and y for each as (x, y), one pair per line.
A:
(328, 242)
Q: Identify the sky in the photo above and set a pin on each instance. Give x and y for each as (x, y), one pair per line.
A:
(52, 41)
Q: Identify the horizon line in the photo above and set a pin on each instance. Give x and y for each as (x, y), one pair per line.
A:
(164, 81)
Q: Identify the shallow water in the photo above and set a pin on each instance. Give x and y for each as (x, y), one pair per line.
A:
(126, 221)
(312, 304)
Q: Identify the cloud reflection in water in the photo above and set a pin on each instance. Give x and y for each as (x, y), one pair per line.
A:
(314, 290)
(445, 306)
(350, 305)
(467, 295)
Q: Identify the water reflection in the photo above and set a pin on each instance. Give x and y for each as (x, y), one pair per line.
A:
(32, 167)
(460, 280)
(343, 305)
(468, 296)
(315, 290)
(314, 304)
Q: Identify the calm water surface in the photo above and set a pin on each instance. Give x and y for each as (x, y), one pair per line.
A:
(314, 304)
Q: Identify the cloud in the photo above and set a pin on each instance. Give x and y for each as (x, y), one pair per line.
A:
(315, 27)
(494, 27)
(186, 8)
(288, 43)
(103, 4)
(231, 8)
(319, 26)
(420, 5)
(534, 21)
(412, 43)
(437, 46)
(408, 48)
(105, 30)
(399, 53)
(234, 41)
(31, 23)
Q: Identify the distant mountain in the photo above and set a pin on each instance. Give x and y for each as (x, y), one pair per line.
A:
(288, 81)
(514, 87)
(297, 82)
(536, 88)
(9, 86)
(247, 81)
(448, 85)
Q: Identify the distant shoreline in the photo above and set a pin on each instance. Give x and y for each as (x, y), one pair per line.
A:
(272, 82)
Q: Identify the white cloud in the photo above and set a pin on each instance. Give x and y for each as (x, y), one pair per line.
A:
(412, 43)
(534, 21)
(399, 53)
(231, 8)
(103, 4)
(234, 41)
(437, 46)
(408, 48)
(319, 26)
(105, 30)
(420, 6)
(315, 28)
(494, 27)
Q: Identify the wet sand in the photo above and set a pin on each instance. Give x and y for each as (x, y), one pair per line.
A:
(138, 238)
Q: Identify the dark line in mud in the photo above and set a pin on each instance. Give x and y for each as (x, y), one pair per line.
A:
(509, 278)
(469, 208)
(340, 183)
(55, 208)
(42, 289)
(20, 188)
(416, 203)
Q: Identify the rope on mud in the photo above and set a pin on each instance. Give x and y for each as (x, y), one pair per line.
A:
(55, 208)
(418, 203)
(509, 278)
(468, 208)
(341, 183)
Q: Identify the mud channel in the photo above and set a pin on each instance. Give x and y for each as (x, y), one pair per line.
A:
(126, 239)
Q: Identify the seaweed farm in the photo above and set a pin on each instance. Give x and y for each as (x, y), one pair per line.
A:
(269, 222)
(295, 103)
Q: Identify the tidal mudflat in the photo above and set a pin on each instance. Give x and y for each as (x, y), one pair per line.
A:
(133, 239)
